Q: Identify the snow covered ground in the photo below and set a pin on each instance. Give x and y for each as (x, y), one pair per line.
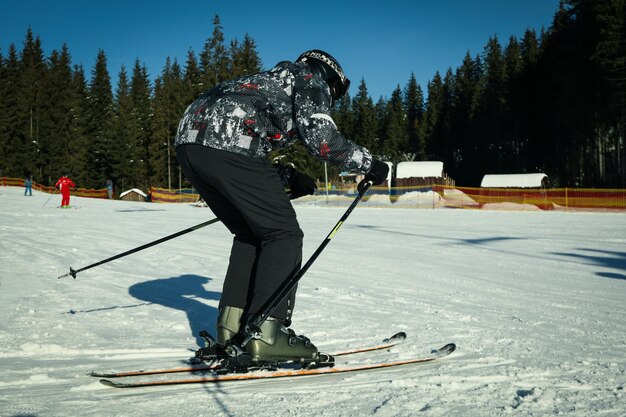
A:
(536, 302)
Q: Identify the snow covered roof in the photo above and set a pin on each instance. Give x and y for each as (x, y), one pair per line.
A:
(513, 180)
(419, 169)
(137, 190)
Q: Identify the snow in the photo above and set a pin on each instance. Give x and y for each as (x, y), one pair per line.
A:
(513, 180)
(533, 299)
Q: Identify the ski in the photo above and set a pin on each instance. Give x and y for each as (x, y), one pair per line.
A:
(284, 373)
(387, 343)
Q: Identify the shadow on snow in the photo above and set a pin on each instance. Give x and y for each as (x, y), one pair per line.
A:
(182, 293)
(603, 258)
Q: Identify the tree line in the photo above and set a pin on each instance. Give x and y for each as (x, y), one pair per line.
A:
(549, 102)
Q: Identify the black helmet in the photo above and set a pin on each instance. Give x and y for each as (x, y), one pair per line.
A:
(327, 67)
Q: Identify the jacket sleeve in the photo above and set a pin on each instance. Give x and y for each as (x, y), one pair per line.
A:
(318, 131)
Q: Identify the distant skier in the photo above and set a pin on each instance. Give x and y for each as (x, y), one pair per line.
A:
(28, 186)
(64, 184)
(222, 145)
(109, 186)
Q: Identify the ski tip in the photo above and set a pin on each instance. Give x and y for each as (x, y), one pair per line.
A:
(114, 384)
(445, 350)
(99, 374)
(109, 383)
(396, 338)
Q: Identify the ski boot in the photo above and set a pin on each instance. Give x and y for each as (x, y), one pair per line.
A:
(275, 344)
(228, 323)
(227, 327)
(278, 344)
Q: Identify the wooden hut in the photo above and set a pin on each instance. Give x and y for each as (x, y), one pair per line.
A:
(134, 194)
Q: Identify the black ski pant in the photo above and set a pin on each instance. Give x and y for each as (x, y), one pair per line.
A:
(246, 194)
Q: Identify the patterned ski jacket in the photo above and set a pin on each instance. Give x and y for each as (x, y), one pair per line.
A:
(257, 114)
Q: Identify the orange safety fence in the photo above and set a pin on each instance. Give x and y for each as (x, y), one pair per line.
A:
(77, 191)
(163, 195)
(441, 196)
(434, 196)
(545, 199)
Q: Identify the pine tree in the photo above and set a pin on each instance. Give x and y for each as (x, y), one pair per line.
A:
(574, 106)
(194, 83)
(465, 98)
(245, 59)
(158, 152)
(9, 90)
(381, 111)
(3, 121)
(100, 116)
(142, 110)
(438, 117)
(529, 104)
(56, 123)
(447, 141)
(365, 126)
(514, 142)
(432, 116)
(214, 60)
(610, 55)
(343, 115)
(32, 73)
(78, 146)
(124, 156)
(414, 109)
(169, 105)
(489, 117)
(395, 138)
(529, 49)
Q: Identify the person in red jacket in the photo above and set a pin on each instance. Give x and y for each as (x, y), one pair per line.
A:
(64, 183)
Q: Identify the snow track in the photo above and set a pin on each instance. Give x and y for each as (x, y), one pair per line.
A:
(534, 301)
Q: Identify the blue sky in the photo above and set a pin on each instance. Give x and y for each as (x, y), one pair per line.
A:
(380, 41)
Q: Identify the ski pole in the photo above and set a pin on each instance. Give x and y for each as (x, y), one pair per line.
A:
(253, 327)
(73, 272)
(51, 194)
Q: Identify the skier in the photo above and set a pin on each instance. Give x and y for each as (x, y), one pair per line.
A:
(64, 183)
(222, 144)
(109, 186)
(28, 186)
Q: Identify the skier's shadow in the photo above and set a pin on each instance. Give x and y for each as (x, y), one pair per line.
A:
(183, 293)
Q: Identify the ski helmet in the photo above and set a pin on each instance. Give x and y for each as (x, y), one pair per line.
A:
(324, 65)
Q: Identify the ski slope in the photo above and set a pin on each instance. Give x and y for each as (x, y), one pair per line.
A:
(535, 301)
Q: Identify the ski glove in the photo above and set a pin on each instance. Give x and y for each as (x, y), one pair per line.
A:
(301, 185)
(378, 173)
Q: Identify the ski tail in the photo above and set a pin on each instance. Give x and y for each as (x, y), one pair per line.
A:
(142, 372)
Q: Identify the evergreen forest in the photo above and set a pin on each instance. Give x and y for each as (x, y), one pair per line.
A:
(551, 102)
